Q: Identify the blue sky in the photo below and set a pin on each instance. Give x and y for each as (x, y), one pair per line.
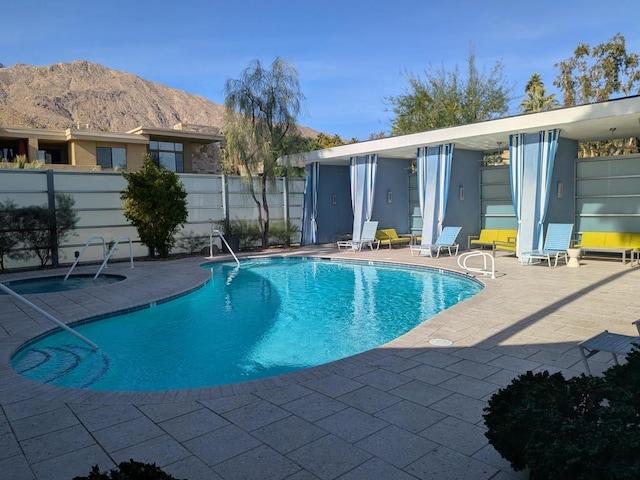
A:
(350, 54)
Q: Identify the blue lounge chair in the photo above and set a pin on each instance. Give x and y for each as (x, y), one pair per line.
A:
(556, 242)
(447, 239)
(367, 238)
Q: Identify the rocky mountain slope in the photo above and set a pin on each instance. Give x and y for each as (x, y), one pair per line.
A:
(92, 96)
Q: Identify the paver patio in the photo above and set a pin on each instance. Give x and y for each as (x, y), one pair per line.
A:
(406, 410)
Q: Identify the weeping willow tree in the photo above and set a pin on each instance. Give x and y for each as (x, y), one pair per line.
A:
(260, 125)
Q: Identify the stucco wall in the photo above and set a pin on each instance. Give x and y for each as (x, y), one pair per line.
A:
(392, 176)
(465, 173)
(561, 210)
(333, 219)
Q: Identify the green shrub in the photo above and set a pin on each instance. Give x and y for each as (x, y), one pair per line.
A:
(281, 232)
(248, 233)
(190, 242)
(155, 202)
(582, 428)
(130, 470)
(32, 228)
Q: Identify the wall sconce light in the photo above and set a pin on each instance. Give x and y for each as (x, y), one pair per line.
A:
(560, 190)
(389, 196)
(334, 199)
(461, 193)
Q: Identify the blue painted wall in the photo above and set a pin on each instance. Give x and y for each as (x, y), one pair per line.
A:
(465, 173)
(561, 210)
(392, 176)
(333, 219)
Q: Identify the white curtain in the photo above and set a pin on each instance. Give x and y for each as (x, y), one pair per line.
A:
(531, 161)
(434, 174)
(310, 210)
(363, 183)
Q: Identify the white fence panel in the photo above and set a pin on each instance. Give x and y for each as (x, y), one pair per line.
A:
(100, 210)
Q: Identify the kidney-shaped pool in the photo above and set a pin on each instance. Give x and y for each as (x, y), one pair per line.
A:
(267, 317)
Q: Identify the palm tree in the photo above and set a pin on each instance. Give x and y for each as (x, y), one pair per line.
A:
(537, 100)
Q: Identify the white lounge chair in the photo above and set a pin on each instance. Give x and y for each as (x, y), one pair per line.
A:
(447, 239)
(367, 238)
(556, 242)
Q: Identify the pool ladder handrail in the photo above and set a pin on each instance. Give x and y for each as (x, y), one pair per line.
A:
(462, 263)
(219, 233)
(86, 245)
(106, 259)
(48, 316)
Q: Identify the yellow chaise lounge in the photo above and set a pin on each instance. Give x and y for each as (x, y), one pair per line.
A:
(389, 236)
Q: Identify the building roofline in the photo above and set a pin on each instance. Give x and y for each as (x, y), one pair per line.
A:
(196, 137)
(590, 122)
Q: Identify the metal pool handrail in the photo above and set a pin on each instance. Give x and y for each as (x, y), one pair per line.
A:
(219, 233)
(48, 316)
(86, 245)
(106, 259)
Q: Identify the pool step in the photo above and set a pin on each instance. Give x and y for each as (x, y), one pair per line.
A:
(80, 366)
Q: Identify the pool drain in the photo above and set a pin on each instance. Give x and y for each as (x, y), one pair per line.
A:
(440, 342)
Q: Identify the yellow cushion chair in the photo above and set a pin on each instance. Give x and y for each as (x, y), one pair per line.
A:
(389, 236)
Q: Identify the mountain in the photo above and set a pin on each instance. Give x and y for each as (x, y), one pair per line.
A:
(92, 96)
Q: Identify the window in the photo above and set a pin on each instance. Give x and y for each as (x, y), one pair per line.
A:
(111, 157)
(168, 155)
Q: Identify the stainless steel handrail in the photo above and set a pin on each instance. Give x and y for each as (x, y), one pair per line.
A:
(106, 259)
(217, 232)
(47, 315)
(86, 245)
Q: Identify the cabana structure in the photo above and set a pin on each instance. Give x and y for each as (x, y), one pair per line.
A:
(420, 182)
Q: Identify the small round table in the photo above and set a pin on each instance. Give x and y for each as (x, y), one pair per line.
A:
(574, 257)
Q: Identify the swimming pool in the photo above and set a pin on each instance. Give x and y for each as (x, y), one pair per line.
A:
(58, 283)
(268, 317)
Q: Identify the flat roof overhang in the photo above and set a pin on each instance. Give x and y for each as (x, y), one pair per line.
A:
(582, 123)
(99, 136)
(174, 134)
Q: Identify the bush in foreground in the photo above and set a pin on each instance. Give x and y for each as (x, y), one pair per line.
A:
(582, 428)
(130, 470)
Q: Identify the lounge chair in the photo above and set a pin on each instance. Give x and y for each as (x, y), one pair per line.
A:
(447, 239)
(556, 242)
(607, 342)
(367, 238)
(389, 236)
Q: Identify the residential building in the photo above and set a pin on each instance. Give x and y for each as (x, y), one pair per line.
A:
(183, 148)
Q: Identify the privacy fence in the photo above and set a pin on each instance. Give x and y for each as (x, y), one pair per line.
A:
(210, 199)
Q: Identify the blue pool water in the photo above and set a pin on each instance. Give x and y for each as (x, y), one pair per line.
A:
(268, 317)
(59, 284)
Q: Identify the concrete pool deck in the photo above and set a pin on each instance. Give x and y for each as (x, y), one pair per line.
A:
(407, 410)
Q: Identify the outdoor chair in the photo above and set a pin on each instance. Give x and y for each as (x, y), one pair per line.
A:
(607, 342)
(556, 242)
(389, 236)
(446, 240)
(367, 238)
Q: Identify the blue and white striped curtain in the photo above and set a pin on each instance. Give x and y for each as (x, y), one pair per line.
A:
(531, 161)
(516, 167)
(363, 184)
(309, 233)
(548, 148)
(434, 174)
